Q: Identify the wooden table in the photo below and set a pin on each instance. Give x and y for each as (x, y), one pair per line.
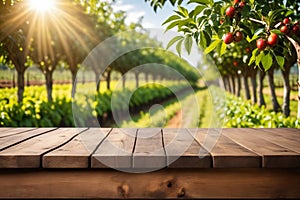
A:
(187, 163)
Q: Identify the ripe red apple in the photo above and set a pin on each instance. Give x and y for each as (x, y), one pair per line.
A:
(230, 12)
(228, 38)
(248, 50)
(286, 20)
(238, 36)
(236, 1)
(284, 29)
(242, 4)
(235, 63)
(295, 29)
(272, 39)
(261, 44)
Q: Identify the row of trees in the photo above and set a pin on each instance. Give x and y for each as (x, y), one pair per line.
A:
(245, 38)
(67, 33)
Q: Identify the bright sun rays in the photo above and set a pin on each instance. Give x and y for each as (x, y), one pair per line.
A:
(42, 5)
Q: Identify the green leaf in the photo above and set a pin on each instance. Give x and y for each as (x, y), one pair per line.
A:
(280, 61)
(267, 61)
(259, 31)
(183, 10)
(175, 39)
(259, 57)
(203, 2)
(173, 24)
(188, 43)
(172, 18)
(276, 31)
(253, 57)
(223, 48)
(212, 46)
(178, 47)
(198, 9)
(203, 41)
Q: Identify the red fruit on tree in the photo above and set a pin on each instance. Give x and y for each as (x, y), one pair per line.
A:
(284, 29)
(230, 12)
(242, 4)
(238, 36)
(235, 63)
(295, 29)
(261, 44)
(248, 50)
(286, 21)
(236, 1)
(272, 39)
(228, 38)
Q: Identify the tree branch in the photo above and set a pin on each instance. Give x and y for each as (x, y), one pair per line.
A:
(257, 21)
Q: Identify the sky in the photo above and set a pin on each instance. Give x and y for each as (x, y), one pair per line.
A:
(137, 8)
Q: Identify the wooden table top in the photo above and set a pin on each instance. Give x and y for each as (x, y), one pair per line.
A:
(149, 148)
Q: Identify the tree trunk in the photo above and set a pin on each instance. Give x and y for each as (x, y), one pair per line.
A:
(108, 77)
(14, 79)
(286, 91)
(276, 106)
(228, 84)
(239, 86)
(254, 88)
(21, 86)
(246, 86)
(28, 79)
(123, 80)
(261, 102)
(136, 80)
(73, 84)
(98, 81)
(297, 48)
(49, 84)
(233, 84)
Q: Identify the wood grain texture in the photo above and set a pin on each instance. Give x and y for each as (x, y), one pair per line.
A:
(149, 150)
(4, 132)
(288, 138)
(28, 153)
(116, 150)
(225, 152)
(13, 139)
(76, 153)
(164, 184)
(183, 151)
(273, 155)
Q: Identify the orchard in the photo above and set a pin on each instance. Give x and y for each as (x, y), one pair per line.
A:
(268, 30)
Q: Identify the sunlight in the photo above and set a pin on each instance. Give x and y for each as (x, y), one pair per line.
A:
(42, 5)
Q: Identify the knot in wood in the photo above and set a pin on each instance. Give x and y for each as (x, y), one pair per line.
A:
(123, 190)
(181, 192)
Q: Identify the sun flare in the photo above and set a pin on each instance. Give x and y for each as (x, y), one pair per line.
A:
(42, 5)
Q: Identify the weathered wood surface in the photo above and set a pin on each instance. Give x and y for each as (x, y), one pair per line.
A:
(149, 148)
(254, 183)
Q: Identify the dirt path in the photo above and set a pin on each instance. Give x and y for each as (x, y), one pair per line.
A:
(176, 121)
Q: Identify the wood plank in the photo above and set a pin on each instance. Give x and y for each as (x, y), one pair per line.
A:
(256, 183)
(76, 153)
(13, 139)
(183, 151)
(116, 150)
(149, 152)
(13, 131)
(273, 155)
(225, 152)
(288, 138)
(28, 153)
